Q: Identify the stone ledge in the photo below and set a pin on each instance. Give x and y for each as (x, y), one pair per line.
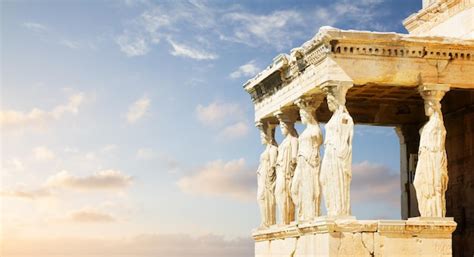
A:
(442, 227)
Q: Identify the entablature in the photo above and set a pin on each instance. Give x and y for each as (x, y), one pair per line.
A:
(361, 58)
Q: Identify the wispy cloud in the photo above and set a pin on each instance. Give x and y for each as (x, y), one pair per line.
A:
(138, 109)
(13, 118)
(217, 112)
(90, 215)
(232, 179)
(276, 29)
(215, 24)
(36, 27)
(247, 70)
(100, 180)
(187, 51)
(30, 194)
(70, 44)
(132, 45)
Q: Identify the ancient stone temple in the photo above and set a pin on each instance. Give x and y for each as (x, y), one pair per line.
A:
(421, 83)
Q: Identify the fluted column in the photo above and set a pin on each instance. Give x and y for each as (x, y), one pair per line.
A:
(285, 167)
(431, 175)
(336, 170)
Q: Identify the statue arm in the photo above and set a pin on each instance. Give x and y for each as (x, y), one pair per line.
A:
(294, 153)
(273, 160)
(345, 136)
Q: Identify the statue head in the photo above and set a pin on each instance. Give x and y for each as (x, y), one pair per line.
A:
(336, 96)
(267, 132)
(432, 95)
(307, 108)
(286, 124)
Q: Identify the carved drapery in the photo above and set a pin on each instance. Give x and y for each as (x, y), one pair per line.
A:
(305, 187)
(266, 175)
(431, 176)
(285, 168)
(336, 171)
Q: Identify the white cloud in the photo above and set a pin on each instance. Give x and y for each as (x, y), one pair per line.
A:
(145, 154)
(36, 27)
(207, 25)
(13, 118)
(90, 215)
(247, 70)
(217, 113)
(236, 130)
(218, 178)
(275, 29)
(375, 183)
(109, 148)
(228, 118)
(189, 52)
(101, 180)
(42, 153)
(132, 45)
(138, 109)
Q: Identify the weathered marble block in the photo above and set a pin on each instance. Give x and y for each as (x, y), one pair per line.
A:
(347, 236)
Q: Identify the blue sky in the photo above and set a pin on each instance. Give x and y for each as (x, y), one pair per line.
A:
(127, 119)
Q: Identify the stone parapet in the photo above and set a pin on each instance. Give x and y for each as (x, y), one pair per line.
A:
(346, 236)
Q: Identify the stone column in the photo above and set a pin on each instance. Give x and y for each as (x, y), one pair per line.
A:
(336, 170)
(285, 167)
(305, 188)
(409, 137)
(431, 175)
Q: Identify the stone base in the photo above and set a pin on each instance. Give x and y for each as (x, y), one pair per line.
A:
(350, 237)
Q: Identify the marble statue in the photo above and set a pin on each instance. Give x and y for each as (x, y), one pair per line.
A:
(336, 172)
(431, 175)
(305, 188)
(285, 167)
(266, 175)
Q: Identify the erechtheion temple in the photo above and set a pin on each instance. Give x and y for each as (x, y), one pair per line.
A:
(421, 83)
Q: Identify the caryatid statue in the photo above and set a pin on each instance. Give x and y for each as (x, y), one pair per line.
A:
(305, 188)
(285, 167)
(266, 175)
(336, 172)
(431, 175)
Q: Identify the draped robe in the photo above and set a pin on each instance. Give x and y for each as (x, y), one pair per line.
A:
(266, 184)
(336, 172)
(431, 175)
(305, 188)
(287, 151)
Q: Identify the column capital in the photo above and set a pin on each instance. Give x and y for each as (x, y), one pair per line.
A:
(313, 101)
(284, 116)
(336, 83)
(432, 91)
